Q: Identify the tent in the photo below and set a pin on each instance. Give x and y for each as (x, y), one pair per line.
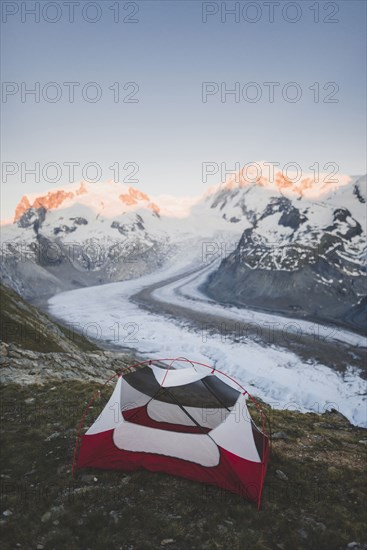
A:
(191, 421)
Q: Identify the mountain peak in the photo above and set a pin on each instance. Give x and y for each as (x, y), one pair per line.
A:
(265, 174)
(53, 199)
(134, 196)
(111, 197)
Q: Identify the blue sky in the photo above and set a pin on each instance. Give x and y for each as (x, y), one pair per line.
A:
(169, 53)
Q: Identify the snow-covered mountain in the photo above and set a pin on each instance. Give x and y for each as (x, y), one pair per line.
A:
(289, 239)
(93, 233)
(79, 236)
(302, 254)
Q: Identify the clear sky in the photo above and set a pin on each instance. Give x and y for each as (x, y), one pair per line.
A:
(169, 52)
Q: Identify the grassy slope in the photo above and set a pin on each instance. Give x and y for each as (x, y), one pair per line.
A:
(26, 326)
(321, 505)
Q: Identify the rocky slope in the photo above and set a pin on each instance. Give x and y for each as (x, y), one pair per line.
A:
(25, 326)
(34, 349)
(23, 366)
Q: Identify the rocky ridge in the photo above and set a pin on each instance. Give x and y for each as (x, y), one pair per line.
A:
(24, 367)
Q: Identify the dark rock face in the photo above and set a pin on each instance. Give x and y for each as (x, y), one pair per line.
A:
(358, 194)
(33, 217)
(341, 214)
(79, 221)
(139, 222)
(124, 229)
(291, 216)
(64, 229)
(120, 227)
(232, 219)
(344, 224)
(309, 281)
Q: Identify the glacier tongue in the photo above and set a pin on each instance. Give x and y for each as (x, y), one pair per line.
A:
(276, 375)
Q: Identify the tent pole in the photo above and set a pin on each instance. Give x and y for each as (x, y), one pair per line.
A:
(185, 411)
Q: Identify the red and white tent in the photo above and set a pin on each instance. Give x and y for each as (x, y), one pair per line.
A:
(191, 422)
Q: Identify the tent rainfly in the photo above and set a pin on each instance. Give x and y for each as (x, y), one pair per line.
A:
(191, 421)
